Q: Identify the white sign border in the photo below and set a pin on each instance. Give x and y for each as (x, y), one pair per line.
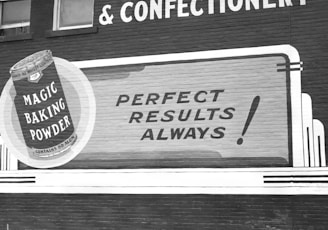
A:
(286, 180)
(288, 50)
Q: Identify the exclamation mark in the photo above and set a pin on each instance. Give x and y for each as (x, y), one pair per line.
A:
(251, 113)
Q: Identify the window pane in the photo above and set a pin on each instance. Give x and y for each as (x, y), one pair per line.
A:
(16, 12)
(76, 12)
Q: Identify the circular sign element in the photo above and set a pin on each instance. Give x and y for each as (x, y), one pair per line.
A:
(82, 107)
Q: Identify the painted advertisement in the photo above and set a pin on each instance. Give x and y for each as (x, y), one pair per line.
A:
(159, 112)
(195, 109)
(163, 114)
(45, 128)
(169, 112)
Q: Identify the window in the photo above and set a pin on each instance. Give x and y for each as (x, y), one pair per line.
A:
(15, 17)
(73, 14)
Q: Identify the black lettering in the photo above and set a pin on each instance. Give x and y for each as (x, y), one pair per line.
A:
(183, 95)
(136, 116)
(122, 99)
(216, 93)
(202, 132)
(190, 133)
(177, 133)
(160, 135)
(136, 98)
(168, 95)
(148, 134)
(152, 97)
(212, 112)
(181, 118)
(228, 112)
(169, 115)
(197, 118)
(196, 97)
(151, 115)
(219, 132)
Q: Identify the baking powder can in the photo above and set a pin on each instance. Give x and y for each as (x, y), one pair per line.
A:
(41, 106)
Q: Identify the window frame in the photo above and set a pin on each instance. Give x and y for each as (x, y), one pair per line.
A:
(13, 25)
(56, 18)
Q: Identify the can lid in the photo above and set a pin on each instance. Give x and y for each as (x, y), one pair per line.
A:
(31, 65)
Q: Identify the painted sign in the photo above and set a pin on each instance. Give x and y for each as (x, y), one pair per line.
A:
(48, 117)
(206, 109)
(211, 109)
(41, 107)
(229, 108)
(141, 11)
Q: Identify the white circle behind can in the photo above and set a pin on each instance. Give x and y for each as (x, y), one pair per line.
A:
(82, 106)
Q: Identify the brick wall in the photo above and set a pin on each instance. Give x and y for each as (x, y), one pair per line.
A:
(50, 211)
(303, 27)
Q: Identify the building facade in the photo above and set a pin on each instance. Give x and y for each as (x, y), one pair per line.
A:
(214, 71)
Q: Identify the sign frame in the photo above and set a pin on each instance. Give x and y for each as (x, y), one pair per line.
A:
(296, 179)
(297, 155)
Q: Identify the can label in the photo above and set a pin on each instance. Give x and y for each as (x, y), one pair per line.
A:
(43, 113)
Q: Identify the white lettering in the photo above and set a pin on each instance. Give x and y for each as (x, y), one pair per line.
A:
(168, 7)
(51, 130)
(55, 129)
(267, 5)
(36, 100)
(55, 108)
(255, 3)
(27, 99)
(61, 103)
(123, 12)
(210, 6)
(164, 9)
(43, 95)
(46, 113)
(181, 6)
(141, 11)
(222, 6)
(43, 117)
(46, 132)
(35, 118)
(283, 3)
(28, 118)
(61, 125)
(39, 135)
(32, 132)
(155, 8)
(53, 88)
(67, 123)
(193, 9)
(234, 7)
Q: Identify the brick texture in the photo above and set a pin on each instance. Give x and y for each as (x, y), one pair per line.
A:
(304, 27)
(51, 211)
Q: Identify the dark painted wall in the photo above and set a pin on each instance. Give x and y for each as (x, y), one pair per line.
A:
(26, 211)
(303, 27)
